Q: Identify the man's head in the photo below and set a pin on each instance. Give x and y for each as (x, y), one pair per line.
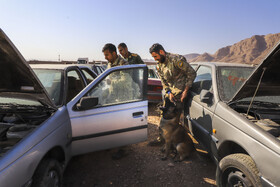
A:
(123, 50)
(158, 52)
(110, 52)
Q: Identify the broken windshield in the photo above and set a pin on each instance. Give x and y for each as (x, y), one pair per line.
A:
(230, 80)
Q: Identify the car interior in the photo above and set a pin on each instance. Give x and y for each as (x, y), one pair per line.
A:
(74, 87)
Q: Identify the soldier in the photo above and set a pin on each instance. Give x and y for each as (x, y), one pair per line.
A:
(175, 73)
(132, 58)
(110, 53)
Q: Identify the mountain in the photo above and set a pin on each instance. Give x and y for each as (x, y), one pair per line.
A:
(191, 56)
(250, 51)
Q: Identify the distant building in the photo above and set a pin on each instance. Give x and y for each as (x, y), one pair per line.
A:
(82, 61)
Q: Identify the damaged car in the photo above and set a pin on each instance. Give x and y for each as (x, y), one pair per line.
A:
(62, 112)
(234, 113)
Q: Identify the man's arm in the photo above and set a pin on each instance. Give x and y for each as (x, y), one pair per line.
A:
(166, 86)
(163, 81)
(185, 93)
(190, 74)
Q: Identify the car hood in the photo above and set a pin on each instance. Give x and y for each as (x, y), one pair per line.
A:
(17, 78)
(268, 73)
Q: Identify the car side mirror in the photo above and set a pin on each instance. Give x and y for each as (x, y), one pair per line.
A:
(206, 96)
(87, 103)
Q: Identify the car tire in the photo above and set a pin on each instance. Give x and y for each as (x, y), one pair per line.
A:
(48, 174)
(237, 170)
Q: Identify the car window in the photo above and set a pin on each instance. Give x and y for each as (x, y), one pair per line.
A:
(51, 80)
(152, 74)
(203, 80)
(194, 66)
(99, 69)
(230, 80)
(119, 87)
(74, 84)
(89, 75)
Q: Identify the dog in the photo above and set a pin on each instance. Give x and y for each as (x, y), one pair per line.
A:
(175, 136)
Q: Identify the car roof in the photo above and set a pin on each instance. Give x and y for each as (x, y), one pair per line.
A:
(223, 64)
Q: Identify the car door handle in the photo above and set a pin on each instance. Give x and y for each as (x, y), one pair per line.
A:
(137, 114)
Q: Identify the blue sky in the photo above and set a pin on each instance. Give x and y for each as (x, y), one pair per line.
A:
(45, 29)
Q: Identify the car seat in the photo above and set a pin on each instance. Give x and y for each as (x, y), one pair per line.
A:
(72, 90)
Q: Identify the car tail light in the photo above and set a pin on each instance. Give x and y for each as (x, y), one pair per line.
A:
(157, 88)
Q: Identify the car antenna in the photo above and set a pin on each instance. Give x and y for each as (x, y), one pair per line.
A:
(255, 92)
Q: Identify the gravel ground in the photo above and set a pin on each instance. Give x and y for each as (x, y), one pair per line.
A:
(141, 166)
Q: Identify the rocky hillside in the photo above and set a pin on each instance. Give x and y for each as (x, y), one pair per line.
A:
(250, 51)
(191, 56)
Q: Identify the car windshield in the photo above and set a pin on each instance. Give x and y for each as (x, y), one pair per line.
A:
(52, 81)
(230, 80)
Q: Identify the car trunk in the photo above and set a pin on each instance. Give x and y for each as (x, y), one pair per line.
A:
(259, 97)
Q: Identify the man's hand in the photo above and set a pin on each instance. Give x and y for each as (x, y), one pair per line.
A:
(171, 97)
(184, 94)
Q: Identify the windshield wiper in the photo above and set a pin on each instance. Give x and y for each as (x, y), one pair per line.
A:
(17, 107)
(264, 103)
(255, 103)
(8, 106)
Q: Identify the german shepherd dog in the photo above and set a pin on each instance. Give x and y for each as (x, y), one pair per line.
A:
(174, 134)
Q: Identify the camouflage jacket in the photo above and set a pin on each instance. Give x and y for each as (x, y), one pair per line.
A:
(134, 59)
(118, 62)
(175, 73)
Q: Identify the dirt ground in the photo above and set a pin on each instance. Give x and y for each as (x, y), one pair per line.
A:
(142, 166)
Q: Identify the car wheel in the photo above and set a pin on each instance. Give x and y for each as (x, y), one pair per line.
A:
(237, 170)
(48, 174)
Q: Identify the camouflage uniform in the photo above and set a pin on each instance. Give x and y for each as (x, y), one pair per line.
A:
(134, 59)
(175, 74)
(118, 62)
